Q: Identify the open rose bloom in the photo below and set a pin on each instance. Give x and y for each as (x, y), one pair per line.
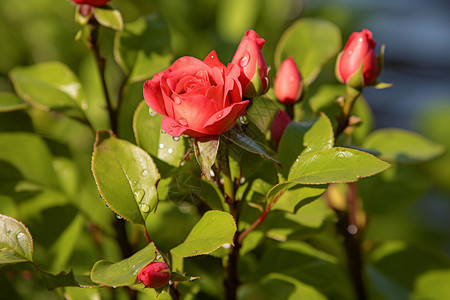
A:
(197, 98)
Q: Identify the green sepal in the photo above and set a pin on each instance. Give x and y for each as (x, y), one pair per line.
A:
(80, 19)
(254, 87)
(356, 80)
(336, 68)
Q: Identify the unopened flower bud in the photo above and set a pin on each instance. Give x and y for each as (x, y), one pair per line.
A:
(288, 83)
(155, 275)
(357, 65)
(254, 76)
(279, 124)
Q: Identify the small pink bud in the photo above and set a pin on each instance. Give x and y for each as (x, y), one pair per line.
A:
(358, 56)
(254, 76)
(288, 83)
(155, 275)
(279, 124)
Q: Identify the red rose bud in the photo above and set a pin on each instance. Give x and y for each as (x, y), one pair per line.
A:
(92, 2)
(279, 124)
(288, 82)
(254, 76)
(357, 65)
(155, 275)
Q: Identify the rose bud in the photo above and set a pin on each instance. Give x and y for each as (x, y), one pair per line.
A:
(197, 98)
(288, 83)
(92, 2)
(254, 76)
(278, 126)
(155, 275)
(357, 65)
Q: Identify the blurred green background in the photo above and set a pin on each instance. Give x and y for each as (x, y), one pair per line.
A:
(417, 61)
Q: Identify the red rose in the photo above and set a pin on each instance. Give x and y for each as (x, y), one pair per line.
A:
(288, 82)
(279, 124)
(254, 72)
(359, 52)
(92, 2)
(155, 275)
(197, 98)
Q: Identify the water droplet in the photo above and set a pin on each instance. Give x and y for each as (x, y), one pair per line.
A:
(242, 180)
(139, 195)
(243, 120)
(161, 146)
(84, 106)
(177, 100)
(226, 246)
(118, 217)
(114, 287)
(144, 207)
(183, 122)
(152, 112)
(352, 229)
(170, 150)
(212, 56)
(219, 116)
(244, 60)
(211, 172)
(176, 138)
(162, 131)
(144, 173)
(20, 235)
(173, 125)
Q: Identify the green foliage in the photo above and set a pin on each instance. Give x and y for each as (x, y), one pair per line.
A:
(126, 177)
(213, 230)
(229, 214)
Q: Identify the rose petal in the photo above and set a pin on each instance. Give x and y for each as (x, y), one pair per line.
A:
(172, 127)
(213, 61)
(225, 119)
(153, 96)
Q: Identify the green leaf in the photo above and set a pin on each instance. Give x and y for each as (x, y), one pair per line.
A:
(311, 43)
(432, 285)
(10, 102)
(168, 152)
(33, 162)
(394, 189)
(50, 86)
(262, 112)
(292, 200)
(109, 17)
(387, 271)
(143, 47)
(239, 138)
(320, 136)
(279, 286)
(205, 149)
(335, 165)
(402, 146)
(124, 272)
(16, 243)
(126, 177)
(65, 279)
(182, 277)
(291, 145)
(213, 230)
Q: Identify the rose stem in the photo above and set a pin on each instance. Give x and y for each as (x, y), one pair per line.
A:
(231, 281)
(100, 60)
(119, 225)
(352, 243)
